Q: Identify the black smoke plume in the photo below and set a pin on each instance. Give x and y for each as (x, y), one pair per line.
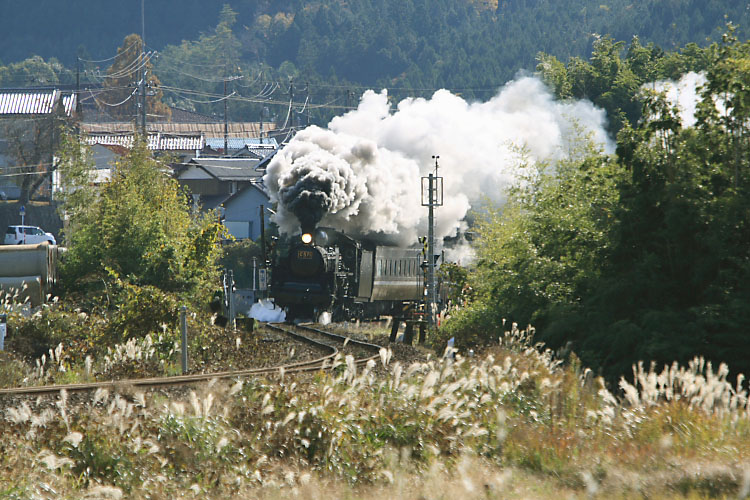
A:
(308, 196)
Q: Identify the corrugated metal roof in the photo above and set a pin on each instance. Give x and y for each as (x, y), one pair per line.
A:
(252, 143)
(232, 173)
(35, 103)
(227, 162)
(156, 142)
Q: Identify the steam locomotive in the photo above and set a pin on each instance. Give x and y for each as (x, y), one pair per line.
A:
(326, 270)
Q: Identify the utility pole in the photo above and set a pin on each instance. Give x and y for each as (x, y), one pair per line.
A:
(262, 109)
(307, 104)
(142, 90)
(142, 83)
(290, 115)
(433, 189)
(226, 121)
(227, 79)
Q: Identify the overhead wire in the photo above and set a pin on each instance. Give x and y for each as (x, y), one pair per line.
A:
(140, 62)
(109, 58)
(222, 98)
(119, 103)
(304, 106)
(165, 55)
(203, 79)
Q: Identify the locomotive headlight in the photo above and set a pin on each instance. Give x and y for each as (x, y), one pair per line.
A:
(307, 238)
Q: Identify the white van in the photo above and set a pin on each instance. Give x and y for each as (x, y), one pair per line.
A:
(30, 235)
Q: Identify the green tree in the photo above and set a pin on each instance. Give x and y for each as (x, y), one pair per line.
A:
(540, 255)
(34, 71)
(138, 230)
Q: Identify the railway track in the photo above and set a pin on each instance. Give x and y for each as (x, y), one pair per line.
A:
(325, 341)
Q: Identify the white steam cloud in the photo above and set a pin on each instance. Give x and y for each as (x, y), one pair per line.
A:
(685, 94)
(362, 174)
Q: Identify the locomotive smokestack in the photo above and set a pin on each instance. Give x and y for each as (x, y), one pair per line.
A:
(307, 196)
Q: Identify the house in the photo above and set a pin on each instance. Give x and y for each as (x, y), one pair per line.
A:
(240, 147)
(28, 118)
(233, 186)
(242, 211)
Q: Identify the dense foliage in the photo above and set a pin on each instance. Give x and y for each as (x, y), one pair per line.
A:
(136, 228)
(640, 257)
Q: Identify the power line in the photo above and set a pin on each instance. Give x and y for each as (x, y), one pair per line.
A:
(109, 58)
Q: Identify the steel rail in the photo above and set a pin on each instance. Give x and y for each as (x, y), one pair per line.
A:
(346, 339)
(322, 363)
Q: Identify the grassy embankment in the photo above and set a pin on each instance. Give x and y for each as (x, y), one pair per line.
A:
(511, 423)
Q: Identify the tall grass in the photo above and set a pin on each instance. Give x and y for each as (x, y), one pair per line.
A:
(513, 422)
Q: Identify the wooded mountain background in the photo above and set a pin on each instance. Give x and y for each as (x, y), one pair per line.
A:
(334, 46)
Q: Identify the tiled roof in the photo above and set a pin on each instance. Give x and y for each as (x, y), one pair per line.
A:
(35, 102)
(235, 129)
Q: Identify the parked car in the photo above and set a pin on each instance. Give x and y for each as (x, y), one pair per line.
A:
(30, 235)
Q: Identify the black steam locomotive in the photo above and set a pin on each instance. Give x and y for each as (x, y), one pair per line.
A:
(326, 270)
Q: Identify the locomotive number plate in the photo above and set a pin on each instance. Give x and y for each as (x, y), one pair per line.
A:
(304, 254)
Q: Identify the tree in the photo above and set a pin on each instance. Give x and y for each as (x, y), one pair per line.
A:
(120, 91)
(34, 71)
(540, 255)
(137, 229)
(31, 144)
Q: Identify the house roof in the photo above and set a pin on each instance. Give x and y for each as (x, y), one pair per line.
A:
(265, 143)
(222, 169)
(232, 173)
(35, 102)
(158, 142)
(255, 185)
(227, 162)
(215, 129)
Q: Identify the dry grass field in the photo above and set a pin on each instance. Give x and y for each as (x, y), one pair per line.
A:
(511, 422)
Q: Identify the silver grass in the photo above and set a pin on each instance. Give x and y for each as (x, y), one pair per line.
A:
(74, 438)
(53, 462)
(236, 387)
(19, 415)
(103, 492)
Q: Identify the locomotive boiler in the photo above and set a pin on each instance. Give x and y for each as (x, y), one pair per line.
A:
(326, 270)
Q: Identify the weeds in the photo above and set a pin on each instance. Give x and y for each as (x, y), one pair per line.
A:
(511, 422)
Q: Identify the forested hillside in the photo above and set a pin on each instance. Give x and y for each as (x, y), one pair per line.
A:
(471, 46)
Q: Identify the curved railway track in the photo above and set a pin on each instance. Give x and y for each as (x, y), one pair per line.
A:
(326, 341)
